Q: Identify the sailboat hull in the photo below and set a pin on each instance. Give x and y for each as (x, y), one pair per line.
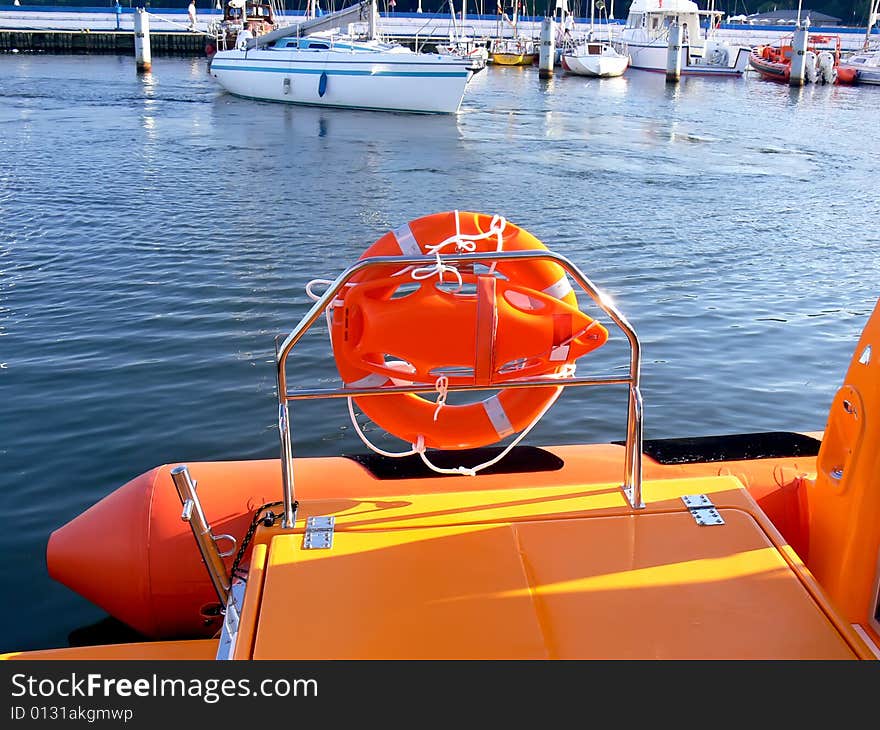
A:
(381, 81)
(597, 65)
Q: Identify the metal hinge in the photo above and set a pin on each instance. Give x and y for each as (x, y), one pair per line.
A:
(702, 509)
(319, 533)
(231, 618)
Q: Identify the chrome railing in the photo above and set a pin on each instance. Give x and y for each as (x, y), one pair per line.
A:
(632, 477)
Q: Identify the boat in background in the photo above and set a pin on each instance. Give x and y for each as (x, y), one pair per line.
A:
(256, 17)
(566, 37)
(520, 51)
(460, 44)
(865, 65)
(334, 69)
(595, 57)
(476, 53)
(516, 50)
(748, 546)
(821, 61)
(645, 38)
(866, 62)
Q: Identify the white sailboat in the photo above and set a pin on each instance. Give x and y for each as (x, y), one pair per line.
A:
(460, 44)
(596, 57)
(866, 62)
(334, 69)
(515, 51)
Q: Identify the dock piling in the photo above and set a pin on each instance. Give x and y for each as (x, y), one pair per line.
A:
(142, 56)
(547, 52)
(798, 55)
(673, 53)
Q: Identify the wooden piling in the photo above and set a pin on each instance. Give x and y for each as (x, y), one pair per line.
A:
(547, 51)
(142, 57)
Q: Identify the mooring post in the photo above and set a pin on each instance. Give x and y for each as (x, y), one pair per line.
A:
(798, 57)
(673, 53)
(142, 56)
(547, 52)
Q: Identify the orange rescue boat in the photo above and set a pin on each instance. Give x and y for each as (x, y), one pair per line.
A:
(760, 545)
(822, 61)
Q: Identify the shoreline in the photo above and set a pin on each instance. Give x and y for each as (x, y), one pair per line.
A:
(401, 27)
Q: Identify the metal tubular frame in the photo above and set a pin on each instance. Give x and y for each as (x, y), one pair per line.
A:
(632, 478)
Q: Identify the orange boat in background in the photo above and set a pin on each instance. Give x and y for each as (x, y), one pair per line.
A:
(744, 546)
(822, 61)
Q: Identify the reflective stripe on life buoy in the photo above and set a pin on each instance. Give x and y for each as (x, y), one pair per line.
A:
(420, 236)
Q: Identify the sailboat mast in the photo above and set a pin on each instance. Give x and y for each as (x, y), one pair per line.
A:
(374, 20)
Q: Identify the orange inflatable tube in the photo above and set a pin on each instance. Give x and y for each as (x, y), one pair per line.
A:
(147, 572)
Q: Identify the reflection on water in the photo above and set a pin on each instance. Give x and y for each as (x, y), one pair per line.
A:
(158, 233)
(277, 120)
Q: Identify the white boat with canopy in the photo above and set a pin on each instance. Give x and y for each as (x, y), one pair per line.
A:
(317, 64)
(645, 37)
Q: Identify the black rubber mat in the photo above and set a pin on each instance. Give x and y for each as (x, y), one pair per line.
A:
(520, 459)
(735, 447)
(700, 449)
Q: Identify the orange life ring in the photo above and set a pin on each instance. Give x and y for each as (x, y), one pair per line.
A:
(421, 236)
(520, 320)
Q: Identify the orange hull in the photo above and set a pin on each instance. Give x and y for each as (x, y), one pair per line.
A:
(158, 584)
(554, 572)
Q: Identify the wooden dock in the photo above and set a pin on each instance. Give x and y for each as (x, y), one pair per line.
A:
(85, 41)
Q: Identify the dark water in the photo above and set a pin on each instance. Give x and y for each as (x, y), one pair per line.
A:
(156, 234)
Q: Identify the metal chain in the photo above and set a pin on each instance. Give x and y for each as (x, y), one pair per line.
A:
(258, 517)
